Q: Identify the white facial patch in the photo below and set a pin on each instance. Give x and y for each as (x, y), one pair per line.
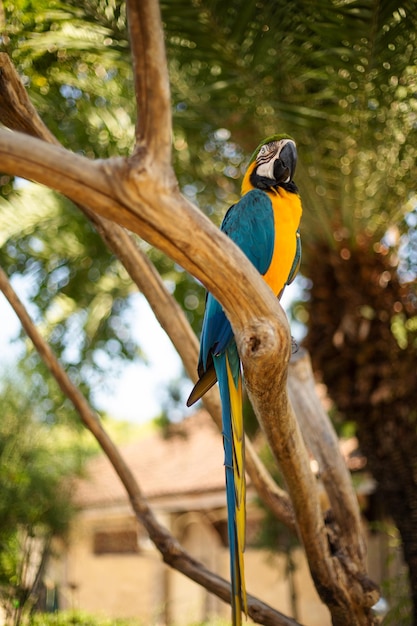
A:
(267, 156)
(266, 169)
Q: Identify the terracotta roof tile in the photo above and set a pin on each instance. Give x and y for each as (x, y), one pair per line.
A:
(189, 460)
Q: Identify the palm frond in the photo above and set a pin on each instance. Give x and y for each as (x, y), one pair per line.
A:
(338, 75)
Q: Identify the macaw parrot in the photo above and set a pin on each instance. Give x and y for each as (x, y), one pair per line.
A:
(264, 224)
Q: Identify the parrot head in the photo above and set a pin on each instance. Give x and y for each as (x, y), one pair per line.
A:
(273, 162)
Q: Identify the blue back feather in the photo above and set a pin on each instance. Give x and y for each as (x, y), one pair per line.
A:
(250, 224)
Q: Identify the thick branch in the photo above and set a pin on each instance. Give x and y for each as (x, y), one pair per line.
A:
(173, 321)
(172, 552)
(344, 586)
(160, 215)
(258, 346)
(153, 130)
(343, 520)
(321, 438)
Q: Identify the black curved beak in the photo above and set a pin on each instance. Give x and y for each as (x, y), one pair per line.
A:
(285, 163)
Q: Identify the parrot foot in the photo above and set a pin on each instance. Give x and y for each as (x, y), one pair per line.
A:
(294, 346)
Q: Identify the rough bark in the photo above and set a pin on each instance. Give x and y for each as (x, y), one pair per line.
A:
(370, 377)
(343, 519)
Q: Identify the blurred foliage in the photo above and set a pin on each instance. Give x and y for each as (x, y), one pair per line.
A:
(340, 76)
(400, 608)
(75, 63)
(75, 290)
(35, 503)
(395, 597)
(32, 471)
(77, 618)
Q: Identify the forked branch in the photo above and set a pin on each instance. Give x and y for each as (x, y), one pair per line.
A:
(17, 112)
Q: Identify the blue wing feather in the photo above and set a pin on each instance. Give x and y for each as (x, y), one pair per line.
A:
(297, 259)
(250, 224)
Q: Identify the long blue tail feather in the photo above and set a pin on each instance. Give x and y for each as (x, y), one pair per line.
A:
(228, 372)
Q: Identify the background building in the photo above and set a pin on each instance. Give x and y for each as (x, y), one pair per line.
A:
(108, 565)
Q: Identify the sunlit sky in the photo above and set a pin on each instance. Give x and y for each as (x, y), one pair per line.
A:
(138, 394)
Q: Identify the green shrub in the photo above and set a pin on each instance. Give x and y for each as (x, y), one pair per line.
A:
(77, 618)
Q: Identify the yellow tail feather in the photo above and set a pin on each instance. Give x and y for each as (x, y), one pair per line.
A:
(240, 480)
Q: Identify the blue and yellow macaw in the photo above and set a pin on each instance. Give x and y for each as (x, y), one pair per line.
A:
(264, 224)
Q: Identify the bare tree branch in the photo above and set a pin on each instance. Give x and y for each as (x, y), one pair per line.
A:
(347, 538)
(16, 110)
(170, 549)
(322, 440)
(160, 215)
(153, 130)
(171, 317)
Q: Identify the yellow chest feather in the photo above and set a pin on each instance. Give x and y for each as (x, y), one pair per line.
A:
(287, 214)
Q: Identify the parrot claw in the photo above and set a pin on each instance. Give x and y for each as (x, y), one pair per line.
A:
(294, 346)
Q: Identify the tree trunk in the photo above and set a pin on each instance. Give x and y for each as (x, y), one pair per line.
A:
(361, 348)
